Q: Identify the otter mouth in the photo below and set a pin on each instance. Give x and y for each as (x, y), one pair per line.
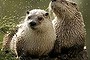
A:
(33, 27)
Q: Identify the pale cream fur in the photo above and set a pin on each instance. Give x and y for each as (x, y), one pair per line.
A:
(39, 41)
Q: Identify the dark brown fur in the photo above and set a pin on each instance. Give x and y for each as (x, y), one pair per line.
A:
(70, 31)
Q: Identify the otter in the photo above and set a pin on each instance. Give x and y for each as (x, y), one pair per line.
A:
(70, 31)
(35, 37)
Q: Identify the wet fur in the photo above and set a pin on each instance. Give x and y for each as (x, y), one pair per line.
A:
(70, 31)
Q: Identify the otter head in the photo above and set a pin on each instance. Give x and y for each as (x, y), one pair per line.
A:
(37, 19)
(62, 7)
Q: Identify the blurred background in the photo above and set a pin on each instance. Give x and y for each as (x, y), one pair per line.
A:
(13, 11)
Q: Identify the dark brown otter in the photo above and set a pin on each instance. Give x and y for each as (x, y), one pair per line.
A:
(70, 31)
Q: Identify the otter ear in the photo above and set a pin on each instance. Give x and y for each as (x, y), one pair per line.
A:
(27, 12)
(46, 14)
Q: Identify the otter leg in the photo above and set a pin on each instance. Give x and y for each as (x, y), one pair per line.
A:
(24, 57)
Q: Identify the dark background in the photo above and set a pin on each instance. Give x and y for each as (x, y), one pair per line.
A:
(12, 11)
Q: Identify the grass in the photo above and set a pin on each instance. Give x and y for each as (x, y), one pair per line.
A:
(1, 38)
(3, 55)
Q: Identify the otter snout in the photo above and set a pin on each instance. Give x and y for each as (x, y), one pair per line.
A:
(32, 23)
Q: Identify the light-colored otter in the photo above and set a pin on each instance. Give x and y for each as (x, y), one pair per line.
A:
(36, 36)
(70, 31)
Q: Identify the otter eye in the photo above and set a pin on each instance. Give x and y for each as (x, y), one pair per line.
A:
(27, 12)
(40, 18)
(29, 17)
(46, 14)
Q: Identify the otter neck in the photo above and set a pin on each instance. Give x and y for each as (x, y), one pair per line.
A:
(69, 28)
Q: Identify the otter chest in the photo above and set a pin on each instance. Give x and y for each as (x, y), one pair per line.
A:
(39, 44)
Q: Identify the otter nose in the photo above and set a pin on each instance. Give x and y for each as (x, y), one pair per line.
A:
(32, 23)
(53, 0)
